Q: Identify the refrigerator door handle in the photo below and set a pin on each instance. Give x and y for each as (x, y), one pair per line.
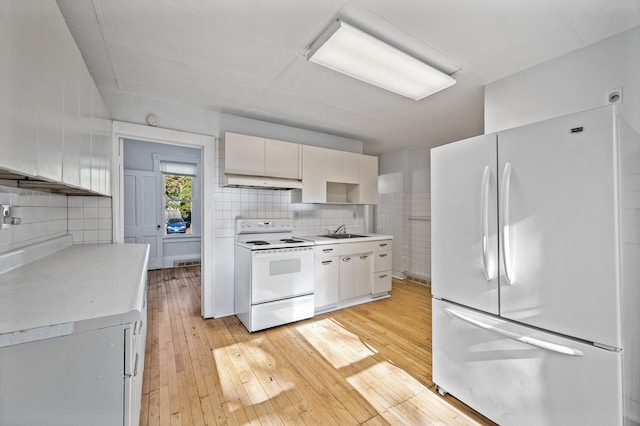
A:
(542, 344)
(484, 219)
(505, 235)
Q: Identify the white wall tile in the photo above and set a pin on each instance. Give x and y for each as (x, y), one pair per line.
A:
(41, 214)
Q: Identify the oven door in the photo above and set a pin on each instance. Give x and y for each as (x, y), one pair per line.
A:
(281, 273)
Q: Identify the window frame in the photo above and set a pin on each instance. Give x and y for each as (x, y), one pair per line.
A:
(196, 228)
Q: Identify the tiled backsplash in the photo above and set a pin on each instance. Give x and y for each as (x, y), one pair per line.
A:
(43, 216)
(90, 219)
(308, 219)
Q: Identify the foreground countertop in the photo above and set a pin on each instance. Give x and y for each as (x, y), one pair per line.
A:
(78, 288)
(320, 240)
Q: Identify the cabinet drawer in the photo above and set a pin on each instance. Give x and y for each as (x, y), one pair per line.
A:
(381, 281)
(382, 261)
(328, 250)
(383, 245)
(356, 248)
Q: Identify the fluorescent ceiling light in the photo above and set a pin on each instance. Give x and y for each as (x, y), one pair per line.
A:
(346, 49)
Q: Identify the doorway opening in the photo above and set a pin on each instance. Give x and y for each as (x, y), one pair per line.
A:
(203, 144)
(162, 198)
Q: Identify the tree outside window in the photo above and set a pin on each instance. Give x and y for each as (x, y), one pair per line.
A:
(178, 198)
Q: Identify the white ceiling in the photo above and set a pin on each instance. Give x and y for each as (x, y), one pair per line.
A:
(246, 57)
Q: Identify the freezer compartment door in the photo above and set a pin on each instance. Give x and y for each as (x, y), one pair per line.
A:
(558, 229)
(464, 223)
(516, 375)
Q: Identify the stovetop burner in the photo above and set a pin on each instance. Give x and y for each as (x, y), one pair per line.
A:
(290, 240)
(258, 243)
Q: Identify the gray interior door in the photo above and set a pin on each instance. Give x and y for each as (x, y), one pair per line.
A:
(143, 221)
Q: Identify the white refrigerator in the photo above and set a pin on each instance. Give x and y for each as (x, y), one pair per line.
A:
(536, 271)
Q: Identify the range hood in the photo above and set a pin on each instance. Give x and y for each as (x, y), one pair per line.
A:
(245, 181)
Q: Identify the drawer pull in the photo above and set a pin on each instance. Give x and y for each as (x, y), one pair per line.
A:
(382, 276)
(327, 250)
(327, 262)
(383, 245)
(364, 257)
(346, 259)
(383, 255)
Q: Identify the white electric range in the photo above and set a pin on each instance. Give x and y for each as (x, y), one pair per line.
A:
(274, 277)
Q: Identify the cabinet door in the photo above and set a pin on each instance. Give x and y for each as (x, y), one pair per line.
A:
(51, 93)
(72, 124)
(363, 274)
(335, 165)
(314, 182)
(86, 84)
(351, 167)
(347, 277)
(326, 281)
(343, 167)
(19, 72)
(464, 241)
(243, 154)
(281, 159)
(368, 188)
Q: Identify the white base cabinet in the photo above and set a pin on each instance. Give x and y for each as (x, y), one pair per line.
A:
(75, 353)
(327, 275)
(87, 378)
(382, 260)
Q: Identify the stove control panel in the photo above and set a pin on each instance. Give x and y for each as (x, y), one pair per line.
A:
(252, 226)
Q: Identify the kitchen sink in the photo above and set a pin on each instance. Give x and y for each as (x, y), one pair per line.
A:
(342, 236)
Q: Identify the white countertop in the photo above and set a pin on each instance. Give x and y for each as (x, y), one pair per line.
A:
(77, 288)
(319, 240)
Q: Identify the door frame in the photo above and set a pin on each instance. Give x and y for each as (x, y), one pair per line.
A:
(206, 144)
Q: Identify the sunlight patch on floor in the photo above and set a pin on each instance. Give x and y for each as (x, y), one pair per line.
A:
(338, 346)
(396, 395)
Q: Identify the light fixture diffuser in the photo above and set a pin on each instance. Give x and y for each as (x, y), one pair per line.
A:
(348, 50)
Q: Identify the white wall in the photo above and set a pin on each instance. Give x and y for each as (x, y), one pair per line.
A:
(575, 82)
(404, 208)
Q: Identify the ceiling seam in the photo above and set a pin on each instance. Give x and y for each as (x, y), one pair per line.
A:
(103, 32)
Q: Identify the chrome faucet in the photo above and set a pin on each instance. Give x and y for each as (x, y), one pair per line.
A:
(340, 228)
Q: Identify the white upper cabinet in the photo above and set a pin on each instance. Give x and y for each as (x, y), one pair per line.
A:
(282, 159)
(343, 167)
(314, 176)
(257, 156)
(19, 71)
(368, 188)
(46, 100)
(243, 154)
(50, 94)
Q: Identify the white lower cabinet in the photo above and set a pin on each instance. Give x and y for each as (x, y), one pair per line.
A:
(92, 378)
(363, 267)
(355, 274)
(382, 261)
(350, 273)
(326, 281)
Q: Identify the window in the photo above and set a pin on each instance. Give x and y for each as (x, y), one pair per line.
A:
(179, 188)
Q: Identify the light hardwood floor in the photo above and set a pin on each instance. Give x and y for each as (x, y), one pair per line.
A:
(369, 364)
